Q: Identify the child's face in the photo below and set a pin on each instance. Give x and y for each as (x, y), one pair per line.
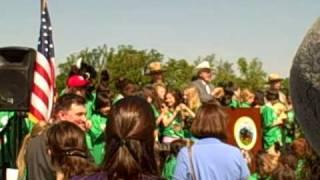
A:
(161, 91)
(170, 100)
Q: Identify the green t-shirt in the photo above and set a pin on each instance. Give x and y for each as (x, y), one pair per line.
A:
(174, 129)
(271, 134)
(245, 105)
(95, 137)
(234, 103)
(169, 167)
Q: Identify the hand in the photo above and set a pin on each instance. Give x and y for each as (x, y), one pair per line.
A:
(164, 108)
(183, 106)
(88, 124)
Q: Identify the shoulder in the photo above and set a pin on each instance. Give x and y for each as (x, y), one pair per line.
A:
(196, 82)
(183, 153)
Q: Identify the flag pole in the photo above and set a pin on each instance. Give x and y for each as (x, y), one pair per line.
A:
(43, 4)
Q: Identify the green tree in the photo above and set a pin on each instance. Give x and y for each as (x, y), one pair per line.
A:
(252, 75)
(178, 73)
(224, 73)
(125, 61)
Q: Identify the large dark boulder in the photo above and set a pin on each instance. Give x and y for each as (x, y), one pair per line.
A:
(305, 85)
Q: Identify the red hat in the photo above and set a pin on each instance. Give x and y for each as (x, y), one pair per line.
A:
(77, 81)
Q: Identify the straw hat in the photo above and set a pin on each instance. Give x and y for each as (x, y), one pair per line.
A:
(154, 68)
(203, 65)
(273, 77)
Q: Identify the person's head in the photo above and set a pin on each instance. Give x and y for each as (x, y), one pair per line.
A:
(246, 96)
(191, 97)
(77, 84)
(274, 81)
(103, 103)
(71, 107)
(275, 85)
(126, 87)
(301, 148)
(283, 172)
(210, 121)
(149, 93)
(205, 74)
(130, 140)
(258, 98)
(155, 70)
(289, 159)
(160, 89)
(68, 150)
(265, 163)
(204, 71)
(173, 98)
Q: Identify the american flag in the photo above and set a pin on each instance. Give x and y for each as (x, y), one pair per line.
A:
(44, 72)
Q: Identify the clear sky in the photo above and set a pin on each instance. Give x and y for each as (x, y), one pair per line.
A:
(270, 30)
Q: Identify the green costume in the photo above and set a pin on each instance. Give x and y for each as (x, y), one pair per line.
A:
(271, 133)
(174, 129)
(234, 103)
(289, 128)
(169, 167)
(95, 137)
(244, 105)
(9, 124)
(256, 176)
(90, 106)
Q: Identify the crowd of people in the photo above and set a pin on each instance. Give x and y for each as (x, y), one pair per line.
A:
(155, 132)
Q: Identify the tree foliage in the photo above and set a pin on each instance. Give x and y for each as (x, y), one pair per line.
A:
(252, 75)
(126, 61)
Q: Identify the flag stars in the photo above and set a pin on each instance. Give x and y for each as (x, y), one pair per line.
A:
(45, 34)
(43, 20)
(51, 45)
(43, 12)
(50, 28)
(44, 27)
(46, 42)
(46, 49)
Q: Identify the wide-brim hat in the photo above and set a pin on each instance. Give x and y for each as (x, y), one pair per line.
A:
(154, 68)
(77, 81)
(203, 66)
(273, 77)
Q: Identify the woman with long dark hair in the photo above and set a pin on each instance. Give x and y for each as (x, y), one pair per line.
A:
(129, 142)
(68, 151)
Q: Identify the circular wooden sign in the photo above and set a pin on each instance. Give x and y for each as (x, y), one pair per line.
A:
(245, 133)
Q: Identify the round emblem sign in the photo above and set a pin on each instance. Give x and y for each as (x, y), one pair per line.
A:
(245, 133)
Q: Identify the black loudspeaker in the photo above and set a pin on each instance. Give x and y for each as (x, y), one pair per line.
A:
(16, 75)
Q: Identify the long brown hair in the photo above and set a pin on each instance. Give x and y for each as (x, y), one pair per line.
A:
(37, 129)
(130, 140)
(68, 150)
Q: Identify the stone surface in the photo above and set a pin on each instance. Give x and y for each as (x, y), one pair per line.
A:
(305, 85)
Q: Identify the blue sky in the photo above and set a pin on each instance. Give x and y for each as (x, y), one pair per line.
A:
(270, 30)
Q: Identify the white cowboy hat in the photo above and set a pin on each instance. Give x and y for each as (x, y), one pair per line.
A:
(203, 65)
